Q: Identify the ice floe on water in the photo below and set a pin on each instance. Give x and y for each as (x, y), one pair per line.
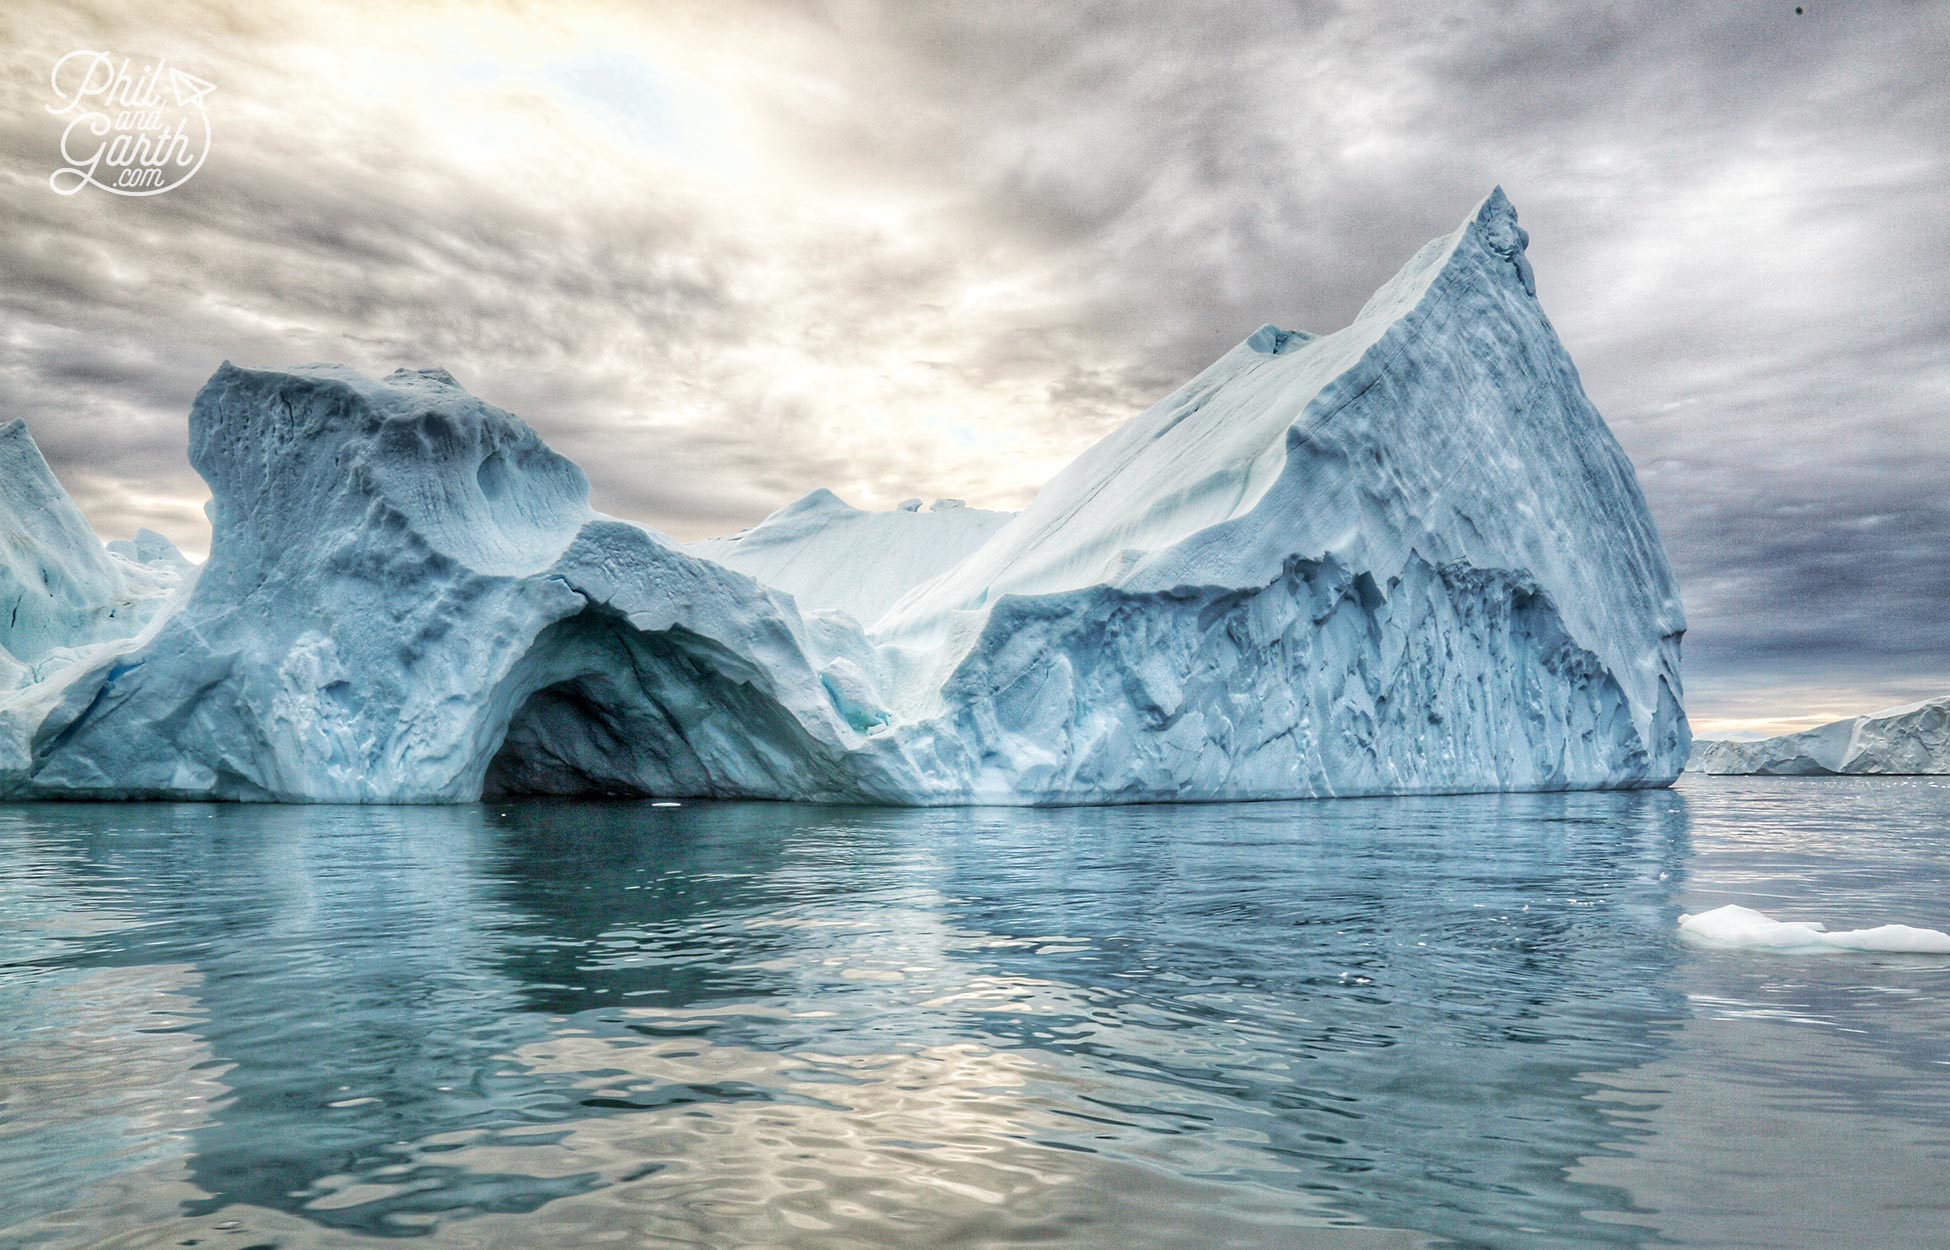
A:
(1743, 928)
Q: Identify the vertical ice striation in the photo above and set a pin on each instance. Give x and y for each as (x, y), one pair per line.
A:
(1404, 557)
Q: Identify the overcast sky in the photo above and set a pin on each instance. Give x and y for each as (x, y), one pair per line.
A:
(722, 253)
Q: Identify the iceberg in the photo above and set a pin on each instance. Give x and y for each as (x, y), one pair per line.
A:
(1404, 557)
(150, 549)
(1911, 740)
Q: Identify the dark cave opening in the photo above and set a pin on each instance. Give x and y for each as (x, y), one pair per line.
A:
(613, 710)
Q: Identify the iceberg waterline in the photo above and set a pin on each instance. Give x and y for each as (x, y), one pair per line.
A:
(1743, 928)
(1404, 557)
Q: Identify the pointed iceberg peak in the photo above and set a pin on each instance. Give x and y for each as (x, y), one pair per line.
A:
(28, 485)
(1488, 240)
(1496, 223)
(814, 502)
(19, 453)
(1495, 206)
(58, 585)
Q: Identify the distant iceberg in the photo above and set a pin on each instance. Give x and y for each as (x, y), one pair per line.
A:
(1406, 557)
(1911, 740)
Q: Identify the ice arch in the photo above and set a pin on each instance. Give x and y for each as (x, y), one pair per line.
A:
(598, 706)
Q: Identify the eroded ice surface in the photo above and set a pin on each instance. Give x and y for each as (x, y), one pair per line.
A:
(1744, 928)
(1911, 740)
(1404, 557)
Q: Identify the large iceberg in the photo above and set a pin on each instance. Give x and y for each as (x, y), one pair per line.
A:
(1911, 740)
(1404, 557)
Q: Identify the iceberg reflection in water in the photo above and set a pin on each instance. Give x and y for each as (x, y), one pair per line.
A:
(1467, 1020)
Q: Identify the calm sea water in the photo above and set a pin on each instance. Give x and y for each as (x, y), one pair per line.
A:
(1367, 1023)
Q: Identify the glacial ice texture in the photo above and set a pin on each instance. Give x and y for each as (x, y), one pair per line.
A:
(1404, 557)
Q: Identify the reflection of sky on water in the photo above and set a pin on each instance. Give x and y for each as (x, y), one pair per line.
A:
(764, 1024)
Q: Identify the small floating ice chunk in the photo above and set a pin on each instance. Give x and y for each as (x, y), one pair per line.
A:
(666, 803)
(1743, 928)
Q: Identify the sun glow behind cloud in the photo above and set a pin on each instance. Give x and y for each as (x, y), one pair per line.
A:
(645, 150)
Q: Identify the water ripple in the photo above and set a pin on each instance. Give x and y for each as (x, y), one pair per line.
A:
(1361, 1024)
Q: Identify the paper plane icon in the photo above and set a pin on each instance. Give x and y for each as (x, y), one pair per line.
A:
(189, 89)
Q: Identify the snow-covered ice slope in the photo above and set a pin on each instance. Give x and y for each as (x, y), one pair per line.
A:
(1903, 741)
(1407, 556)
(828, 554)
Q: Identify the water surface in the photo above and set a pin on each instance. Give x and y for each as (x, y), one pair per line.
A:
(1367, 1023)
